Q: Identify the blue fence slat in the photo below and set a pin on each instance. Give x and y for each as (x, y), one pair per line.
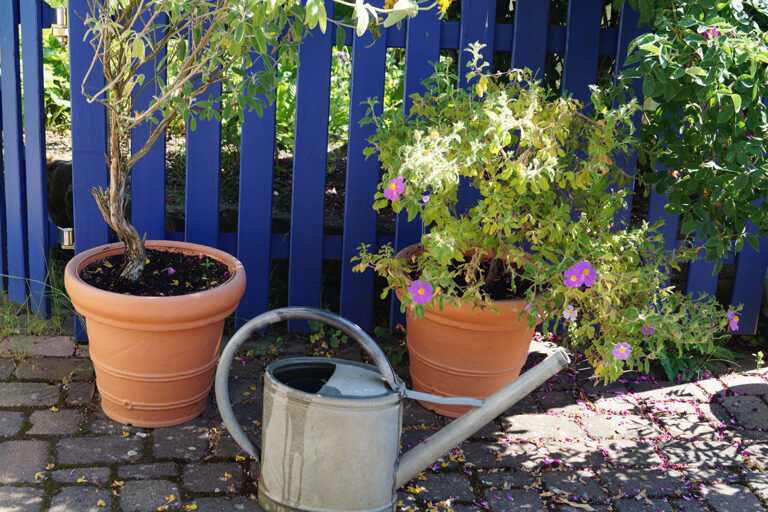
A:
(15, 193)
(747, 282)
(3, 226)
(309, 166)
(201, 217)
(89, 140)
(368, 69)
(34, 124)
(529, 46)
(148, 175)
(422, 47)
(581, 47)
(257, 145)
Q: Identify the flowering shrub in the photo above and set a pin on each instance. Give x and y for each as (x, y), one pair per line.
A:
(547, 183)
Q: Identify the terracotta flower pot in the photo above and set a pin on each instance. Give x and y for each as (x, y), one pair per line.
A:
(467, 351)
(154, 357)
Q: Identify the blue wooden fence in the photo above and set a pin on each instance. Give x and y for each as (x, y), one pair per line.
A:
(528, 41)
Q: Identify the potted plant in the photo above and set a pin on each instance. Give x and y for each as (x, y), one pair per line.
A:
(537, 246)
(155, 310)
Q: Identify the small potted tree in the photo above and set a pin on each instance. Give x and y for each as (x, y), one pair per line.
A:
(537, 246)
(155, 310)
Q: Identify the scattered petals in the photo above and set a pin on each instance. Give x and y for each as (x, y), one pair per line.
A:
(54, 409)
(191, 507)
(239, 458)
(170, 498)
(101, 503)
(227, 476)
(171, 271)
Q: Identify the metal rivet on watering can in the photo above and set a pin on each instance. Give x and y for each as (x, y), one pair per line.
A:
(331, 428)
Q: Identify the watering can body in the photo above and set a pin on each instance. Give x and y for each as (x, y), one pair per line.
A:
(331, 428)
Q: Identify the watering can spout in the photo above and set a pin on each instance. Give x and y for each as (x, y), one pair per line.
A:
(415, 460)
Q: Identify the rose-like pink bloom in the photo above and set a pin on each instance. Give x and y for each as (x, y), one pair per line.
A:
(425, 198)
(587, 273)
(572, 279)
(622, 351)
(711, 33)
(570, 313)
(733, 319)
(647, 329)
(171, 271)
(394, 189)
(421, 292)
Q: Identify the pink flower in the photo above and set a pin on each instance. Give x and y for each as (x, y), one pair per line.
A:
(394, 189)
(421, 292)
(647, 329)
(733, 320)
(584, 268)
(171, 271)
(572, 279)
(621, 351)
(425, 198)
(711, 33)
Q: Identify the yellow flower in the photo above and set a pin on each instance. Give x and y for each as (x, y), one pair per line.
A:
(444, 5)
(101, 503)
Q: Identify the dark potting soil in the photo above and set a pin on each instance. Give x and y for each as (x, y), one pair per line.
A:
(166, 273)
(500, 289)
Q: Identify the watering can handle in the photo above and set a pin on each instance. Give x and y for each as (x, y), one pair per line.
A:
(279, 315)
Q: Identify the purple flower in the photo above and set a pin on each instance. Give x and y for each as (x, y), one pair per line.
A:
(733, 320)
(587, 273)
(421, 292)
(425, 198)
(647, 329)
(711, 33)
(171, 271)
(394, 189)
(622, 351)
(572, 278)
(570, 313)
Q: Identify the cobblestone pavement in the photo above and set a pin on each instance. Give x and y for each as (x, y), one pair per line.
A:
(637, 445)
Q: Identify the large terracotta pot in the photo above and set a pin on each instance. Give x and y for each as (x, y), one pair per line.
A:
(467, 351)
(154, 357)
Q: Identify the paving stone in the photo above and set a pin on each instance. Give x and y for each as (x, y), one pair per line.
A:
(632, 482)
(672, 407)
(642, 383)
(623, 452)
(53, 369)
(87, 450)
(618, 404)
(415, 414)
(6, 368)
(758, 481)
(688, 427)
(514, 500)
(10, 423)
(595, 389)
(72, 475)
(81, 498)
(717, 414)
(746, 384)
(711, 386)
(62, 422)
(643, 506)
(52, 346)
(532, 426)
(79, 393)
(690, 506)
(512, 455)
(749, 411)
(526, 405)
(20, 499)
(20, 460)
(711, 475)
(447, 485)
(82, 351)
(563, 381)
(188, 441)
(700, 453)
(147, 495)
(145, 471)
(226, 447)
(213, 477)
(226, 504)
(602, 426)
(733, 498)
(27, 394)
(505, 479)
(579, 486)
(561, 401)
(105, 426)
(576, 453)
(757, 453)
(689, 392)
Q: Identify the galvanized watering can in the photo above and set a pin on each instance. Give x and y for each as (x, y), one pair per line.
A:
(331, 428)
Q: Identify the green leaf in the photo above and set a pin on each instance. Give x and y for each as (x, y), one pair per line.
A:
(690, 226)
(239, 32)
(753, 241)
(736, 101)
(341, 38)
(361, 14)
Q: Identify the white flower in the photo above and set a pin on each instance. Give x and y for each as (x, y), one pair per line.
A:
(570, 314)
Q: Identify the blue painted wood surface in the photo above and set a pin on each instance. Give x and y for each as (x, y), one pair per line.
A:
(89, 140)
(747, 282)
(422, 47)
(3, 225)
(257, 143)
(309, 167)
(34, 125)
(529, 45)
(581, 47)
(368, 68)
(13, 153)
(148, 175)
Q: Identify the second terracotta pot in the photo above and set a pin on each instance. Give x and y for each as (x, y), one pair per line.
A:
(468, 351)
(154, 357)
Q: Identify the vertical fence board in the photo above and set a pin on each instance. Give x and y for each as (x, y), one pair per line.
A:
(201, 212)
(422, 46)
(15, 193)
(581, 47)
(34, 123)
(3, 225)
(700, 279)
(529, 43)
(368, 69)
(747, 282)
(148, 175)
(254, 221)
(309, 167)
(89, 139)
